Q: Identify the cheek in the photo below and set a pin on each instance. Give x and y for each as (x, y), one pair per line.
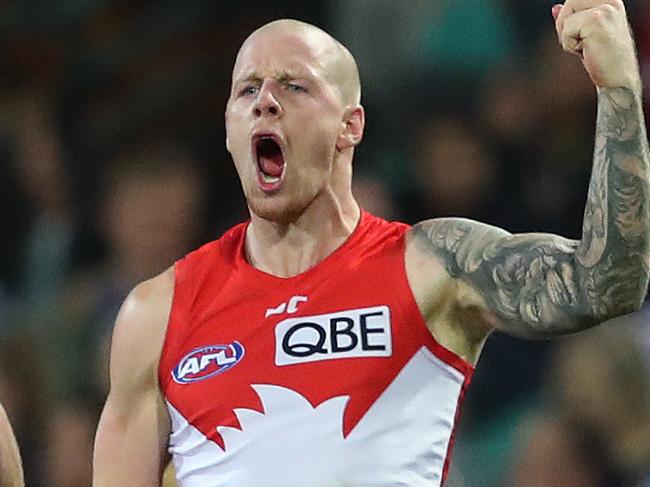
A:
(238, 141)
(322, 141)
(314, 157)
(236, 123)
(234, 132)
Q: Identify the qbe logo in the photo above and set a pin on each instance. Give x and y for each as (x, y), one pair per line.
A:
(361, 332)
(204, 362)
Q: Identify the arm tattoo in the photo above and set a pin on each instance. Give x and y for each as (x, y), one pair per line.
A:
(542, 285)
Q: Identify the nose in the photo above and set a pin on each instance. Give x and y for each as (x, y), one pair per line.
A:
(267, 104)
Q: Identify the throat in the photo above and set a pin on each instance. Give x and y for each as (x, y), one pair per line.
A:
(286, 251)
(284, 261)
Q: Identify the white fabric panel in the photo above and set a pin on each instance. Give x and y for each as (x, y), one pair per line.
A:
(402, 440)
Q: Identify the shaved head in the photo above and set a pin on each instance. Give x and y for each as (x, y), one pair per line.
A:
(339, 66)
(296, 85)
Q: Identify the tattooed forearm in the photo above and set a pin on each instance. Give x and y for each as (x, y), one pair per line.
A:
(542, 285)
(615, 246)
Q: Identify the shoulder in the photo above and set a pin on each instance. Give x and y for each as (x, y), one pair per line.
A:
(225, 248)
(376, 232)
(445, 232)
(149, 302)
(438, 253)
(142, 323)
(460, 244)
(431, 282)
(377, 223)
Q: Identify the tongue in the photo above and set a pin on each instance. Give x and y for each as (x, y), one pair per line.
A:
(273, 165)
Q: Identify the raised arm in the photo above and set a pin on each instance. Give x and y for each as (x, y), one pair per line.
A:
(131, 440)
(537, 285)
(11, 469)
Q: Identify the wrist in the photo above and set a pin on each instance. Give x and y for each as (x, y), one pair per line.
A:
(622, 97)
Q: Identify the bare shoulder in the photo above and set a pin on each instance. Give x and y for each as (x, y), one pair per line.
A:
(459, 244)
(141, 324)
(431, 283)
(441, 250)
(456, 315)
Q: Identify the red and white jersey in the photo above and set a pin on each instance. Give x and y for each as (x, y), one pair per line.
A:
(329, 378)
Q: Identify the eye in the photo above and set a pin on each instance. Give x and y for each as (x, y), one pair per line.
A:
(248, 90)
(295, 87)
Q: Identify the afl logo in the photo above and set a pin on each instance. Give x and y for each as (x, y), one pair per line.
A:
(208, 361)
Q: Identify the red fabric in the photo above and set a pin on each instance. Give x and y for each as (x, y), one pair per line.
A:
(452, 440)
(219, 298)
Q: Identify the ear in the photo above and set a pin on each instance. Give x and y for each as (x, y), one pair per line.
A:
(352, 128)
(225, 116)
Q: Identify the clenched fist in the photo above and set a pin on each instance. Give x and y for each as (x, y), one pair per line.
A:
(598, 32)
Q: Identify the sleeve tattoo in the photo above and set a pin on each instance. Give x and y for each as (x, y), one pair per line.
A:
(542, 285)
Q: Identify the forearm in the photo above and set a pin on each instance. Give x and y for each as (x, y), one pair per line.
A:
(614, 252)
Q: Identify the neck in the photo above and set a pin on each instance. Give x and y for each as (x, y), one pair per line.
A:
(286, 250)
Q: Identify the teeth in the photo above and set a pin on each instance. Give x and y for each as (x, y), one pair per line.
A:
(269, 179)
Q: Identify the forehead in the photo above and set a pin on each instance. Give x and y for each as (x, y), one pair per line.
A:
(295, 52)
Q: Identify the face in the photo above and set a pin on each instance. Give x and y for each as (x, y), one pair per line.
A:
(284, 122)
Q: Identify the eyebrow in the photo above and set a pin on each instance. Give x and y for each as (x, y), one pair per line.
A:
(280, 76)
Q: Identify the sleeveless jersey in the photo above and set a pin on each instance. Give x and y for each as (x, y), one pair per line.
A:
(329, 378)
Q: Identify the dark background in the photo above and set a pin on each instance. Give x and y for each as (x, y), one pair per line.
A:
(113, 165)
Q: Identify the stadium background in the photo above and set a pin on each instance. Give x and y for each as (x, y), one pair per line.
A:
(113, 165)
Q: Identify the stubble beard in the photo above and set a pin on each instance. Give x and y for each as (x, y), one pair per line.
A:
(279, 208)
(287, 205)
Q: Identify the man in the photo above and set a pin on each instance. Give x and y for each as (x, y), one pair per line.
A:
(317, 345)
(11, 470)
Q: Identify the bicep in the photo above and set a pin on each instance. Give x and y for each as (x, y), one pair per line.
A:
(131, 441)
(133, 431)
(531, 283)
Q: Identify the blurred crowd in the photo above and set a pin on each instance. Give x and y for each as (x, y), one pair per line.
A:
(113, 164)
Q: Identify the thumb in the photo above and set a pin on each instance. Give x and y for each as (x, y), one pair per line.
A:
(555, 10)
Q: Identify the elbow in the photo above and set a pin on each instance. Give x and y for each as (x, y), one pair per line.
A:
(636, 302)
(640, 298)
(620, 307)
(616, 291)
(637, 296)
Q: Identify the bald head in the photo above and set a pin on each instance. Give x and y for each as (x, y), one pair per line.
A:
(338, 65)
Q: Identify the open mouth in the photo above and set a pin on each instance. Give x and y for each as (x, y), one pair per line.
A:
(270, 162)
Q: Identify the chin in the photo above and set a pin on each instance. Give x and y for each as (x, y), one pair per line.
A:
(276, 209)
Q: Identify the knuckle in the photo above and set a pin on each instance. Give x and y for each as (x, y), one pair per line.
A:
(609, 11)
(597, 15)
(617, 5)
